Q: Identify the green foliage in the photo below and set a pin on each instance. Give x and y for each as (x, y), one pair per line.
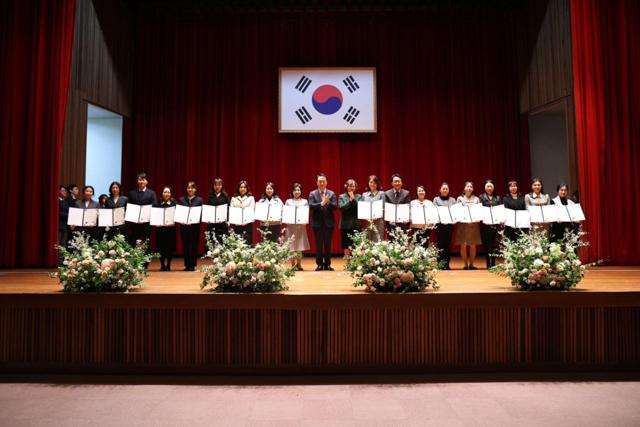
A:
(400, 264)
(92, 265)
(239, 267)
(534, 262)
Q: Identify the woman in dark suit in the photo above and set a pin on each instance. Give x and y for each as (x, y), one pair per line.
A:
(558, 229)
(166, 235)
(349, 222)
(87, 202)
(218, 197)
(190, 233)
(490, 233)
(514, 201)
(116, 200)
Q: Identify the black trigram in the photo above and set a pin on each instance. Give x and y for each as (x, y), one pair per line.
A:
(351, 84)
(303, 115)
(303, 84)
(351, 115)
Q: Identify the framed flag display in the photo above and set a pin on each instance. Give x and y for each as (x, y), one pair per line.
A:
(327, 100)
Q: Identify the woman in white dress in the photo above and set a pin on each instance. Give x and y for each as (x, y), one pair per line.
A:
(422, 232)
(300, 242)
(243, 199)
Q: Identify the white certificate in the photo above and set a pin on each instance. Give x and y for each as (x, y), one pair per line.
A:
(517, 219)
(241, 216)
(111, 217)
(295, 214)
(138, 214)
(576, 213)
(542, 214)
(90, 218)
(422, 215)
(188, 214)
(563, 213)
(214, 214)
(444, 215)
(163, 217)
(82, 217)
(371, 210)
(75, 217)
(268, 212)
(494, 215)
(399, 214)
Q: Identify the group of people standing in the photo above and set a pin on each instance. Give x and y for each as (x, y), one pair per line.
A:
(322, 203)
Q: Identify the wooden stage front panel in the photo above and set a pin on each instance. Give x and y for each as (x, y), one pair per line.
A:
(475, 322)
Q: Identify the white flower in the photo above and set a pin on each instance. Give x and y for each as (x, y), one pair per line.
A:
(538, 263)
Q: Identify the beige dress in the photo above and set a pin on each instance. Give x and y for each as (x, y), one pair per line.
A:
(532, 199)
(468, 234)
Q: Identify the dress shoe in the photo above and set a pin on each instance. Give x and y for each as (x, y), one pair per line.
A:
(319, 268)
(328, 268)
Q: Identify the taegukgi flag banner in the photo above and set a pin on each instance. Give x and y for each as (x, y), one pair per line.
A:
(327, 100)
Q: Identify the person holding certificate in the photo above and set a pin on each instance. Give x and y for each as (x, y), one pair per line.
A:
(349, 223)
(397, 196)
(243, 199)
(374, 194)
(72, 198)
(322, 202)
(537, 197)
(63, 216)
(444, 231)
(190, 233)
(218, 197)
(421, 232)
(300, 242)
(558, 229)
(116, 200)
(468, 234)
(270, 197)
(514, 201)
(490, 233)
(102, 204)
(87, 202)
(166, 235)
(141, 196)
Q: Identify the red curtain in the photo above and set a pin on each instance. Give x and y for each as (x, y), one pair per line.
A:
(606, 73)
(36, 40)
(206, 100)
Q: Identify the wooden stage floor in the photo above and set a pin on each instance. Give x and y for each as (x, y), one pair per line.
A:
(476, 321)
(338, 282)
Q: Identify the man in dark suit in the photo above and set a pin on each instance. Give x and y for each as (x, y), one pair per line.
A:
(397, 196)
(322, 203)
(141, 196)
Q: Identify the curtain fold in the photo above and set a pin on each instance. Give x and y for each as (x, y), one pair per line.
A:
(36, 41)
(606, 70)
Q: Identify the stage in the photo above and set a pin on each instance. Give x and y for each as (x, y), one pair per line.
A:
(476, 321)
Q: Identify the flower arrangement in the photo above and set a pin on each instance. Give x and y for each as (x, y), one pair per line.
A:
(92, 265)
(534, 262)
(400, 264)
(239, 267)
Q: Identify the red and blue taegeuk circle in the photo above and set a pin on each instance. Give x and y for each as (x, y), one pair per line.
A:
(327, 99)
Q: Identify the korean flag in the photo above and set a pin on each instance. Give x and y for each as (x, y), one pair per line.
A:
(327, 100)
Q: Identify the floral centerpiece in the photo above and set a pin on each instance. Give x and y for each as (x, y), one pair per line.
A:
(92, 265)
(239, 267)
(399, 264)
(534, 262)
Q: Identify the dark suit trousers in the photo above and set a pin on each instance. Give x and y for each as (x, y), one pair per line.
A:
(140, 232)
(190, 238)
(323, 245)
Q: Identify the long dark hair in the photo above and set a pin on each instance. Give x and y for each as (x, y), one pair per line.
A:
(465, 186)
(375, 179)
(212, 191)
(116, 183)
(533, 181)
(246, 184)
(264, 192)
(294, 186)
(509, 184)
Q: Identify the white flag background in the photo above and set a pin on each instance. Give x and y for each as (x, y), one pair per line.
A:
(327, 100)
